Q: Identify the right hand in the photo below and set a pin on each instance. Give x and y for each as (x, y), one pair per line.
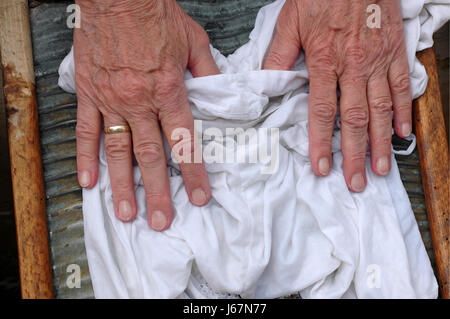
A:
(130, 59)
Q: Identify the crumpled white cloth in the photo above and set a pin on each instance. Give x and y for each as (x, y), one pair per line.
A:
(266, 235)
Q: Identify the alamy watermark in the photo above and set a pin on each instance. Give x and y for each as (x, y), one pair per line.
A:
(374, 19)
(74, 279)
(373, 280)
(74, 19)
(228, 146)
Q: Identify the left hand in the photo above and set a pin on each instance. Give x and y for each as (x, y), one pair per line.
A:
(369, 64)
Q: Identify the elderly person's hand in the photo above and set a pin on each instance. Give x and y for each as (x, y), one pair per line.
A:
(130, 59)
(369, 65)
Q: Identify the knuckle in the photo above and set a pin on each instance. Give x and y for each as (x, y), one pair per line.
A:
(202, 38)
(355, 118)
(357, 157)
(157, 196)
(382, 107)
(168, 84)
(186, 146)
(140, 116)
(324, 144)
(120, 186)
(193, 175)
(131, 87)
(86, 132)
(396, 31)
(324, 112)
(401, 83)
(149, 154)
(320, 61)
(86, 157)
(355, 54)
(276, 60)
(322, 58)
(131, 95)
(171, 112)
(382, 141)
(405, 108)
(117, 149)
(198, 34)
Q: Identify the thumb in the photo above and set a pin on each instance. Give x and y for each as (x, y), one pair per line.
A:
(286, 44)
(201, 62)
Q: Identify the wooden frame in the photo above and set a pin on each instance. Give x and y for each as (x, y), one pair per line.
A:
(434, 162)
(25, 152)
(26, 162)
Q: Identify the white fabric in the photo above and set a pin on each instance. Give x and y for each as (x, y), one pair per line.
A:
(266, 235)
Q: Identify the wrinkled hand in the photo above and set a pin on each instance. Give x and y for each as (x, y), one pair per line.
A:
(130, 58)
(369, 64)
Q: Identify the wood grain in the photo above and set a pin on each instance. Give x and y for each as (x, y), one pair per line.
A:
(25, 152)
(5, 178)
(434, 161)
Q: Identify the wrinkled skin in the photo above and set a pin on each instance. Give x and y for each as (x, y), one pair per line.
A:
(130, 59)
(370, 67)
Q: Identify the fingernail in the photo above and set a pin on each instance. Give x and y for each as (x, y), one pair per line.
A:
(125, 210)
(406, 129)
(84, 179)
(159, 220)
(198, 197)
(383, 165)
(358, 182)
(324, 166)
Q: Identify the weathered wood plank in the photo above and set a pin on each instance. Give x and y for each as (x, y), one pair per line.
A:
(434, 162)
(25, 152)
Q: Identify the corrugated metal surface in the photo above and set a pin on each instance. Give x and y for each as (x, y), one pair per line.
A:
(228, 22)
(57, 117)
(409, 167)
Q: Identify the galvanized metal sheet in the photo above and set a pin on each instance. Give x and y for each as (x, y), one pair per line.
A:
(57, 118)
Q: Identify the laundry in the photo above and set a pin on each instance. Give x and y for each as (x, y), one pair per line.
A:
(266, 235)
(233, 145)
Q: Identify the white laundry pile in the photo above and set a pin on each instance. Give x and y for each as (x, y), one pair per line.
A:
(266, 235)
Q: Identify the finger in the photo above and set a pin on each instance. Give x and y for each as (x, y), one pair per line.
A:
(322, 113)
(354, 121)
(178, 126)
(400, 85)
(88, 138)
(285, 46)
(201, 62)
(120, 167)
(380, 124)
(149, 152)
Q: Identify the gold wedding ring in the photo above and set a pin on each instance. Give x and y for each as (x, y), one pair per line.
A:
(117, 129)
